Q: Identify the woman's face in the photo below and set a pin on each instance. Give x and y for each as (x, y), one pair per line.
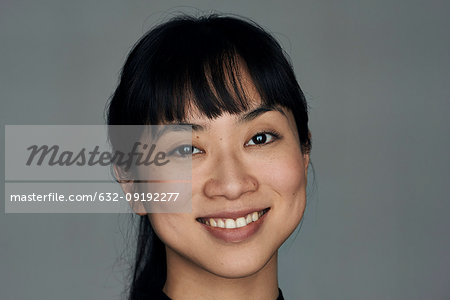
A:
(243, 165)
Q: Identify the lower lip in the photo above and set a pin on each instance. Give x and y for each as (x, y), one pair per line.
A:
(236, 235)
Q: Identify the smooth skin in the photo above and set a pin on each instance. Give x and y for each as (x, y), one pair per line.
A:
(248, 160)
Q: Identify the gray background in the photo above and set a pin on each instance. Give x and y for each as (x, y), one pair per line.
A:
(376, 74)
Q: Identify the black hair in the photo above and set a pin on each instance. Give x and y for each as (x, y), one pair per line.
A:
(197, 62)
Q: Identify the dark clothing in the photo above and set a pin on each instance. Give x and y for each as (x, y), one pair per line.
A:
(162, 296)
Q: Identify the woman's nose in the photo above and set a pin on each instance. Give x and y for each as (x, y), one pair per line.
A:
(229, 178)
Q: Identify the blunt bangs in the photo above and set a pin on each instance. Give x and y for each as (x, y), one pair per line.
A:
(198, 63)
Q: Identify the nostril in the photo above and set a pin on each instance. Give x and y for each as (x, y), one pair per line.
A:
(230, 187)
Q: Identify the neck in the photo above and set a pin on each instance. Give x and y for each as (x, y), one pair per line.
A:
(186, 280)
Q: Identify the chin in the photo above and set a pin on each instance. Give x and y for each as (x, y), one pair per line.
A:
(234, 267)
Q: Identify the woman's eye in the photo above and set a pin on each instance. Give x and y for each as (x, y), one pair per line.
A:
(262, 138)
(185, 150)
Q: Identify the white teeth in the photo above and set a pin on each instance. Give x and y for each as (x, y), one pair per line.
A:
(230, 223)
(248, 219)
(240, 222)
(220, 223)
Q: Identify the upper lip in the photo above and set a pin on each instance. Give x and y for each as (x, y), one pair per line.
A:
(231, 214)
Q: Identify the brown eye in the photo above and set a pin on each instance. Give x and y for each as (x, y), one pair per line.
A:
(262, 138)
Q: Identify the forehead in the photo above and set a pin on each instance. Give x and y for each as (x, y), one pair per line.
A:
(239, 86)
(192, 113)
(203, 123)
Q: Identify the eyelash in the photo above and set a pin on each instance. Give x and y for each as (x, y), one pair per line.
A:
(274, 135)
(175, 152)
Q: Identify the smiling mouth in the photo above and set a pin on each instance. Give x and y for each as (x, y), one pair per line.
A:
(234, 223)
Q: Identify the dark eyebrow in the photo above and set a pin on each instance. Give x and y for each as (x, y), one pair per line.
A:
(164, 129)
(246, 117)
(251, 115)
(195, 127)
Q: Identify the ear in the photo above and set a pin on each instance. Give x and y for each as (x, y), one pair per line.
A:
(306, 163)
(128, 187)
(306, 152)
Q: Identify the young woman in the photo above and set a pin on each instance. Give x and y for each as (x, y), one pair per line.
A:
(232, 82)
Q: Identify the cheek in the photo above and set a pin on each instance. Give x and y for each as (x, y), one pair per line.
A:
(166, 226)
(285, 178)
(285, 175)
